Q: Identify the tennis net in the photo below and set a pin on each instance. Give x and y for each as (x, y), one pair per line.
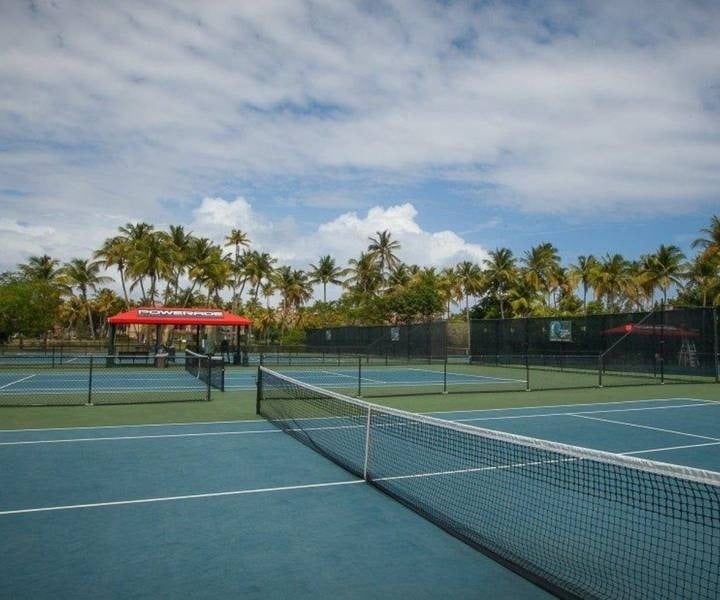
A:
(581, 523)
(209, 369)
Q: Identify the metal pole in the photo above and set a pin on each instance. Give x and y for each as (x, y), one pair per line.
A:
(259, 392)
(662, 341)
(716, 343)
(90, 381)
(445, 365)
(359, 386)
(527, 370)
(600, 369)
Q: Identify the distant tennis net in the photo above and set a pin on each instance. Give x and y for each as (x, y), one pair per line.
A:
(581, 523)
(209, 369)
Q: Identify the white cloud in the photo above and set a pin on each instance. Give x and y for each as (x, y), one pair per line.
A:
(137, 109)
(344, 237)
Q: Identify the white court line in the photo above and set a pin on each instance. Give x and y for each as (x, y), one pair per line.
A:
(671, 448)
(176, 498)
(587, 412)
(138, 437)
(543, 406)
(467, 375)
(661, 429)
(178, 424)
(16, 381)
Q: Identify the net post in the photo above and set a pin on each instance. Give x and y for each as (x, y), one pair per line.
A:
(259, 391)
(366, 458)
(90, 382)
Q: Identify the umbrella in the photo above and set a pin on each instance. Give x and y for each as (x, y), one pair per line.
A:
(656, 330)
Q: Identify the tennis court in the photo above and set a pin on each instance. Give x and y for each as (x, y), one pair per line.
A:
(239, 509)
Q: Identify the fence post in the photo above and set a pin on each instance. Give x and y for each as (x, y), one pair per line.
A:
(209, 376)
(527, 370)
(445, 365)
(716, 344)
(600, 369)
(359, 386)
(90, 382)
(662, 341)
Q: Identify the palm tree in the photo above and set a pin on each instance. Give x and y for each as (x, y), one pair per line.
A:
(83, 275)
(613, 278)
(499, 273)
(133, 234)
(40, 268)
(470, 281)
(294, 288)
(711, 243)
(236, 238)
(152, 257)
(666, 268)
(586, 272)
(325, 272)
(704, 273)
(451, 288)
(199, 255)
(217, 274)
(382, 249)
(259, 269)
(113, 253)
(540, 262)
(179, 241)
(363, 274)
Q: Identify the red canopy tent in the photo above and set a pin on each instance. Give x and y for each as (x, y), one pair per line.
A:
(178, 316)
(161, 315)
(654, 330)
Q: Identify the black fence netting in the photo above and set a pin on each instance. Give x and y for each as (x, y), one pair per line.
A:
(92, 379)
(426, 340)
(661, 346)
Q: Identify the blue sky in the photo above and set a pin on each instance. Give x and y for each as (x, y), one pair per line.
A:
(459, 126)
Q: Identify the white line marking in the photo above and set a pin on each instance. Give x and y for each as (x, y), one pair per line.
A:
(587, 412)
(702, 437)
(543, 406)
(178, 424)
(671, 448)
(176, 498)
(16, 381)
(138, 437)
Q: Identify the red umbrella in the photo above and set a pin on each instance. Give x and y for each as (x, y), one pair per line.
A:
(656, 330)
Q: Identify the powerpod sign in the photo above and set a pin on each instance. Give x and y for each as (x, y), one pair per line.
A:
(179, 313)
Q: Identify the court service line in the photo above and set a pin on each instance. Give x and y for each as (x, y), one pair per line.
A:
(285, 488)
(542, 406)
(661, 429)
(15, 382)
(668, 448)
(176, 424)
(137, 437)
(587, 412)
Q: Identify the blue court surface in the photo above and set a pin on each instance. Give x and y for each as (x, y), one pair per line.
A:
(240, 509)
(148, 379)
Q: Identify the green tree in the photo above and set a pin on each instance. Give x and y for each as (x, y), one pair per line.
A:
(500, 271)
(382, 249)
(40, 268)
(84, 276)
(586, 271)
(326, 271)
(27, 307)
(667, 266)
